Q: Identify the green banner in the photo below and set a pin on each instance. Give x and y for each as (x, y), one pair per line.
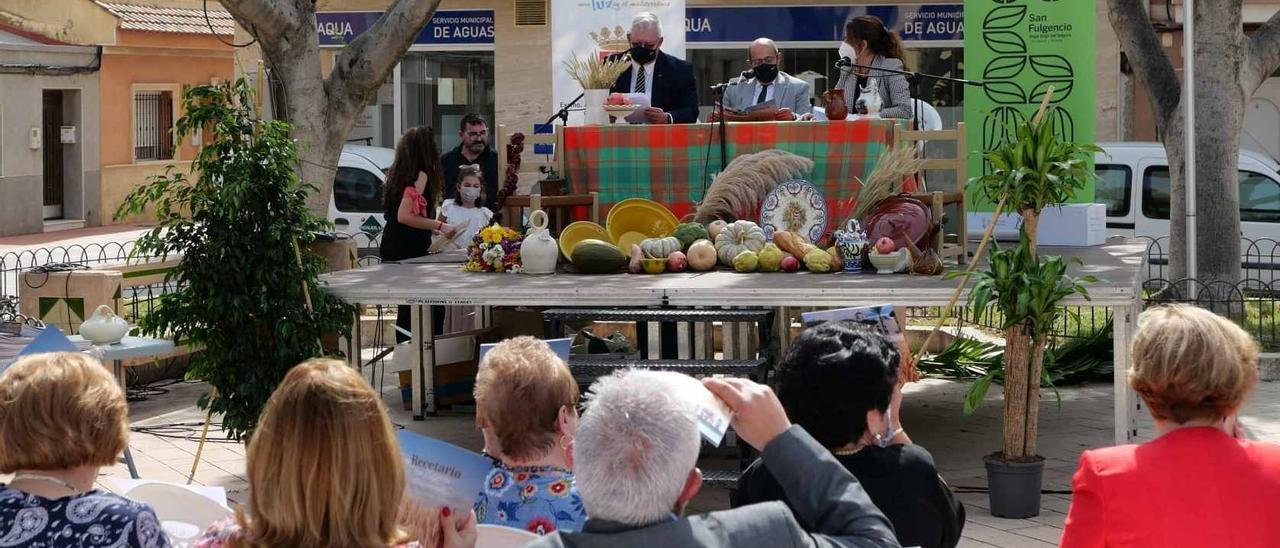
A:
(1021, 48)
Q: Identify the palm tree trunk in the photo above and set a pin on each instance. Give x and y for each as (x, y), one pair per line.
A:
(1023, 361)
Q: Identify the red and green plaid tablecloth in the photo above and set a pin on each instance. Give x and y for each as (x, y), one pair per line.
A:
(668, 163)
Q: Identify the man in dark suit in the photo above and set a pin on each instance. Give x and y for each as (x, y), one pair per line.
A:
(635, 458)
(668, 81)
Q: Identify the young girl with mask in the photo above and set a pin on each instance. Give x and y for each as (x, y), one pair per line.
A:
(466, 210)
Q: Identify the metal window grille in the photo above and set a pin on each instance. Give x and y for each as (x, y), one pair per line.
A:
(153, 123)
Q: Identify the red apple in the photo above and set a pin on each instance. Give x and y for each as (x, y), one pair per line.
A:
(885, 246)
(790, 263)
(677, 262)
(616, 99)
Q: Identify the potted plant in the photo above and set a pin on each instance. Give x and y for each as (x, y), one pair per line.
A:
(1035, 170)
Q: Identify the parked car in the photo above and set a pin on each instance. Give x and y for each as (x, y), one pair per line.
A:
(357, 204)
(1133, 182)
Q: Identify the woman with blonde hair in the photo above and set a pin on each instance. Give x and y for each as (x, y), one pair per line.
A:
(526, 406)
(325, 469)
(1197, 483)
(63, 418)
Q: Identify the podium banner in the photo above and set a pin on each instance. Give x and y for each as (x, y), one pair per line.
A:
(1021, 48)
(580, 27)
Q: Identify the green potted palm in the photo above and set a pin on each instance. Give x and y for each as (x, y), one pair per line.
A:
(1024, 289)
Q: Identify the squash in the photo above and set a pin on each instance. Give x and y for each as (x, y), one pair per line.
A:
(747, 261)
(688, 233)
(737, 237)
(659, 248)
(702, 255)
(795, 244)
(714, 228)
(816, 260)
(770, 258)
(598, 257)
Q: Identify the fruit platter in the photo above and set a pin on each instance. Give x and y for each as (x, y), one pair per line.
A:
(618, 104)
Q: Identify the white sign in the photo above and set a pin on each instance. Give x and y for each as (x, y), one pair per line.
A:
(582, 27)
(68, 134)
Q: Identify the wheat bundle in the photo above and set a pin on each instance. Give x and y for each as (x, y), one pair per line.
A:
(738, 190)
(595, 71)
(885, 180)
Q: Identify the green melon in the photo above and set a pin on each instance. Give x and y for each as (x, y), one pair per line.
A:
(688, 233)
(598, 257)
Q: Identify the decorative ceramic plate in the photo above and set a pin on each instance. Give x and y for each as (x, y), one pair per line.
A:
(794, 206)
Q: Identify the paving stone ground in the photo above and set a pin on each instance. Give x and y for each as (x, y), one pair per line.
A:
(931, 414)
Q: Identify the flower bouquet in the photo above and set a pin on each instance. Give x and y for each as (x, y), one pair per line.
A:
(494, 249)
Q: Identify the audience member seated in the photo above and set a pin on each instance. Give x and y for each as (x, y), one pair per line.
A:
(1197, 483)
(636, 453)
(526, 406)
(62, 418)
(325, 470)
(839, 381)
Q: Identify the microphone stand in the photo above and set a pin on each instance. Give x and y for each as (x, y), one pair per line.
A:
(913, 77)
(563, 113)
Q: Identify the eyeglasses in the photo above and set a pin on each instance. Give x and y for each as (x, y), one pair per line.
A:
(764, 61)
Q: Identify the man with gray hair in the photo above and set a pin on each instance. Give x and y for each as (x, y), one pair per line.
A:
(635, 460)
(767, 83)
(668, 82)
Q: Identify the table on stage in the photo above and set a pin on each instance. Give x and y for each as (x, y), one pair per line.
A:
(1116, 265)
(671, 164)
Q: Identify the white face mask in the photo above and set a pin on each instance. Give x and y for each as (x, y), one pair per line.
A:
(470, 193)
(847, 51)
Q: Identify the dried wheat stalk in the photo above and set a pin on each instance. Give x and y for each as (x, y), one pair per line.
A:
(594, 72)
(885, 180)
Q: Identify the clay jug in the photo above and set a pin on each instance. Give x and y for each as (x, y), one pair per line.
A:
(538, 250)
(837, 109)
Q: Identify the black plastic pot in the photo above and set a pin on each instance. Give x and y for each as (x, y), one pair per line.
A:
(1014, 487)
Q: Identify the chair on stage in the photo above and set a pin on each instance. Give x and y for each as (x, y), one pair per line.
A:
(546, 171)
(950, 244)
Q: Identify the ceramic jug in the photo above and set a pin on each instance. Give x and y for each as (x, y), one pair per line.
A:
(538, 250)
(869, 99)
(104, 327)
(851, 241)
(837, 109)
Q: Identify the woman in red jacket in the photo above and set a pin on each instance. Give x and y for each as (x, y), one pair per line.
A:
(1197, 483)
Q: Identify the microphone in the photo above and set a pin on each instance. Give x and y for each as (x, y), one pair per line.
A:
(844, 62)
(733, 82)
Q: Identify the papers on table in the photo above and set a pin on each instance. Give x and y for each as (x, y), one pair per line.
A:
(439, 474)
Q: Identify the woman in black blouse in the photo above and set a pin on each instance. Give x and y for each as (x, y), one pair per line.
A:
(838, 380)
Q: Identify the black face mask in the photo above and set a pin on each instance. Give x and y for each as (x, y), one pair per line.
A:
(765, 73)
(642, 55)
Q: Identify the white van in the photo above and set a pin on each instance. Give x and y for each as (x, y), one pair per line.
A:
(1133, 182)
(357, 204)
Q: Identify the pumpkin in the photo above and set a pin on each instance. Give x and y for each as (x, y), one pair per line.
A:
(659, 248)
(737, 237)
(702, 255)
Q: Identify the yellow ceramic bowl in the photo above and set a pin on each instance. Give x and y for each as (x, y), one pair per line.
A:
(654, 266)
(578, 231)
(644, 218)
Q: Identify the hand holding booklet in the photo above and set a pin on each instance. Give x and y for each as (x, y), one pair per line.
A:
(439, 474)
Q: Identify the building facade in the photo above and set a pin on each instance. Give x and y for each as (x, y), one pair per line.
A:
(145, 53)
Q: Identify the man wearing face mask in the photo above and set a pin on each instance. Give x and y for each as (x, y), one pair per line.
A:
(667, 81)
(767, 83)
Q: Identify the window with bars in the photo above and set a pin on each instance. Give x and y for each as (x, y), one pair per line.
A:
(153, 125)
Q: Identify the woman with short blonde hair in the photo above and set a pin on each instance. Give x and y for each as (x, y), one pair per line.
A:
(1197, 483)
(324, 467)
(526, 405)
(63, 418)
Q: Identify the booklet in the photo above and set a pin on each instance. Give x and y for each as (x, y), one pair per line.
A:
(710, 412)
(881, 318)
(439, 474)
(559, 346)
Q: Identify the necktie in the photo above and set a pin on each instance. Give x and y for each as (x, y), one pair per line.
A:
(640, 76)
(764, 90)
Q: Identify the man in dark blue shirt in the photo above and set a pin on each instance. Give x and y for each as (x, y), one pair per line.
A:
(474, 149)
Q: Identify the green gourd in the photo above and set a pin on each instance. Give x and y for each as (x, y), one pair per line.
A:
(598, 257)
(688, 233)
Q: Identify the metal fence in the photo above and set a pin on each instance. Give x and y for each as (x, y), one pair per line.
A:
(1259, 260)
(14, 263)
